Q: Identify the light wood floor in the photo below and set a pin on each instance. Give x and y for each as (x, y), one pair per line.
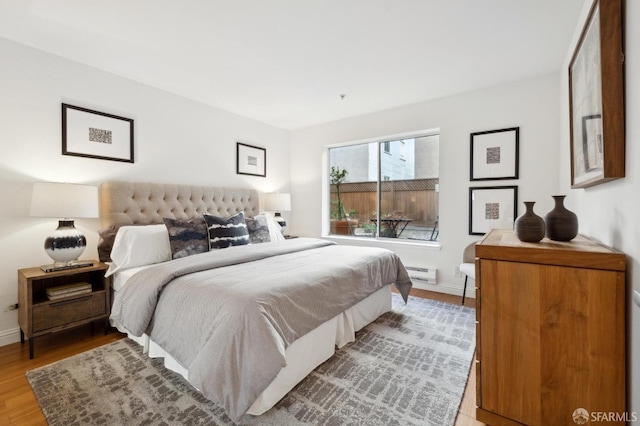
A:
(18, 405)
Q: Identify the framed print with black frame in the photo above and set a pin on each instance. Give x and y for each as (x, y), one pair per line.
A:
(596, 98)
(95, 134)
(251, 160)
(494, 154)
(492, 207)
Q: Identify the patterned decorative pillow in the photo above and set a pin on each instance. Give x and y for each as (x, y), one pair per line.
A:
(224, 233)
(258, 229)
(187, 237)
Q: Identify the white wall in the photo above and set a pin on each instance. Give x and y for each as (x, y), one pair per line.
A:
(532, 105)
(176, 140)
(609, 211)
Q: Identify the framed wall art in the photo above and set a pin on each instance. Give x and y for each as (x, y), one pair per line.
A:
(596, 98)
(494, 154)
(251, 160)
(492, 207)
(94, 134)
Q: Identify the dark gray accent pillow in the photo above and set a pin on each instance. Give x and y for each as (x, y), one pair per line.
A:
(258, 229)
(187, 237)
(105, 242)
(224, 233)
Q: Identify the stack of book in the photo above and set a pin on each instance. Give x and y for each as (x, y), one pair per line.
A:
(68, 290)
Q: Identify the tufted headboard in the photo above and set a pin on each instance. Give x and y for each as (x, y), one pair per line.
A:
(138, 203)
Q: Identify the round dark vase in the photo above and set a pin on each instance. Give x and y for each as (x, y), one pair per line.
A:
(529, 227)
(562, 224)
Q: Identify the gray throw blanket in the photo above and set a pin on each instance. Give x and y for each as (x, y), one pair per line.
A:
(228, 315)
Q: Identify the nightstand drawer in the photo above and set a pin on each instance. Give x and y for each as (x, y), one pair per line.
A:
(54, 314)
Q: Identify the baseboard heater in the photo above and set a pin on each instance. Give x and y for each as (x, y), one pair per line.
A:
(422, 275)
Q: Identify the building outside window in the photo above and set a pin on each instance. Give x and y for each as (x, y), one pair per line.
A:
(390, 189)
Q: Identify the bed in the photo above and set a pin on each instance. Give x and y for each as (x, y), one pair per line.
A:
(243, 324)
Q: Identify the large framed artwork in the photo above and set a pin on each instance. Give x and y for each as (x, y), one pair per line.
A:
(494, 154)
(95, 134)
(596, 98)
(492, 207)
(251, 160)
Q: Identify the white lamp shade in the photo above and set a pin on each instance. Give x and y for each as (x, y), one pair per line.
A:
(278, 202)
(64, 200)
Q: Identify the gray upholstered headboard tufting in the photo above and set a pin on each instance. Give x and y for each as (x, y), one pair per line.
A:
(138, 203)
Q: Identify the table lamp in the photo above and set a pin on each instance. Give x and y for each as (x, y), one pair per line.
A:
(67, 202)
(278, 202)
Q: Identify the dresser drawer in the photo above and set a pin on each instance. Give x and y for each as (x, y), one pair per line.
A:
(54, 314)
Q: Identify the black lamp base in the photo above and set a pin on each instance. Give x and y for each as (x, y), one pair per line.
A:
(280, 220)
(52, 267)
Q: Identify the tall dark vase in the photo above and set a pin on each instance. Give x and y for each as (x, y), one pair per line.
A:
(562, 224)
(529, 227)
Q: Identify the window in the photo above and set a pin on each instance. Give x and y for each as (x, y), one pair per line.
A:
(386, 189)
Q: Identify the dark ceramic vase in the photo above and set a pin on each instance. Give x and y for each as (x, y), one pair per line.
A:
(529, 227)
(562, 224)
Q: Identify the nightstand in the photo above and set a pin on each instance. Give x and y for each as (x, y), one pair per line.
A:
(38, 315)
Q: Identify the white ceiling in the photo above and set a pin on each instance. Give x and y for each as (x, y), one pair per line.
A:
(286, 62)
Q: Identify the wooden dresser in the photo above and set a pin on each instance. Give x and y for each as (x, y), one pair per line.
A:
(550, 330)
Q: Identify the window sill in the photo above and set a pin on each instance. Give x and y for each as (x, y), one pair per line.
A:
(385, 241)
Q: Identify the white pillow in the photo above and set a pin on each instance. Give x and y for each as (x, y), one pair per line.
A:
(139, 246)
(275, 230)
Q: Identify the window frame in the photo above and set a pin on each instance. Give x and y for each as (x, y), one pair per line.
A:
(327, 185)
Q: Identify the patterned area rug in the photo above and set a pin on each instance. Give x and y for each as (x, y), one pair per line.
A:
(409, 367)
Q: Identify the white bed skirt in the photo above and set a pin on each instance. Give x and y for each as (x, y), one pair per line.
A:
(303, 355)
